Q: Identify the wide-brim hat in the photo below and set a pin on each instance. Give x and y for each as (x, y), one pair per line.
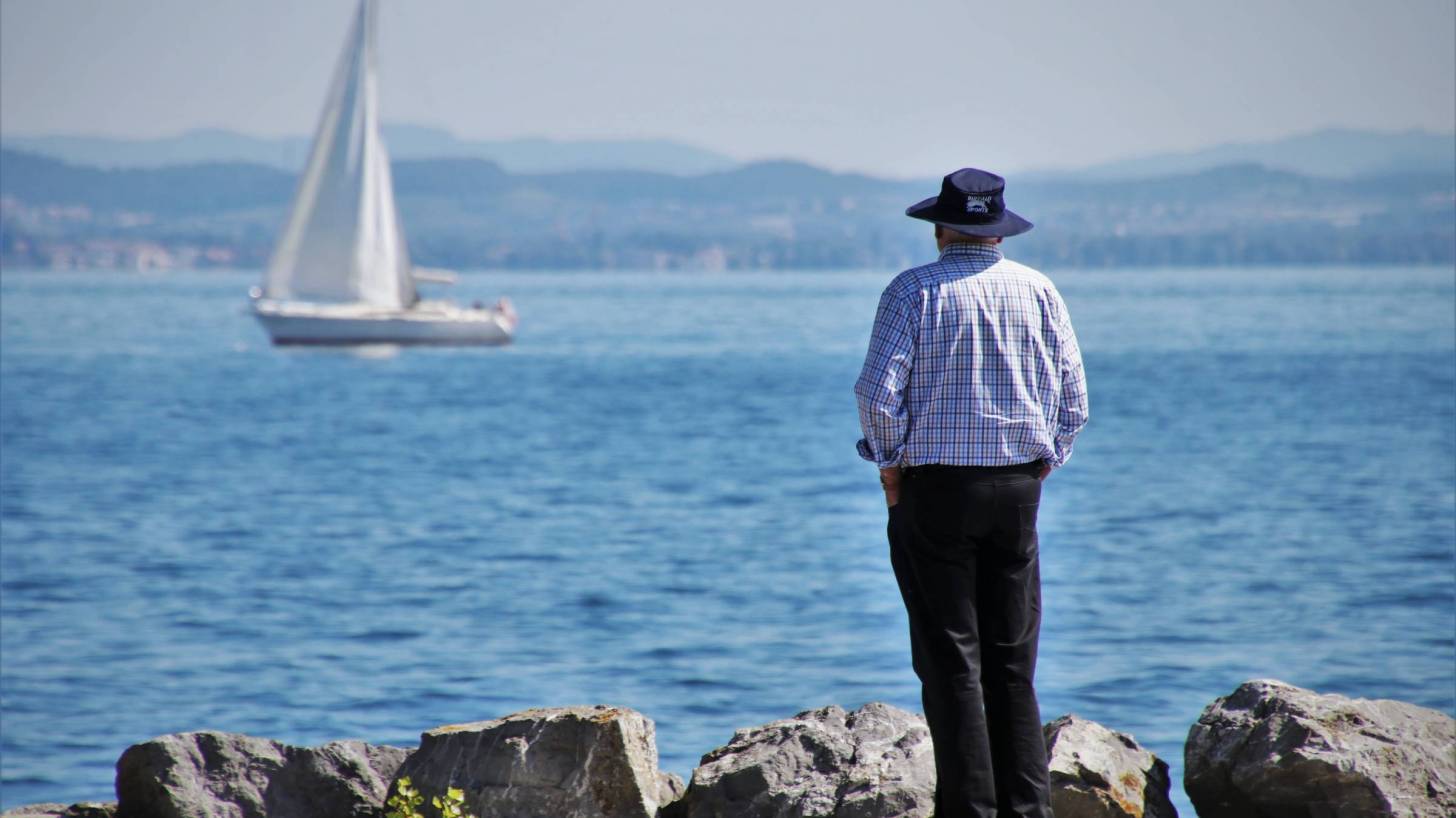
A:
(971, 202)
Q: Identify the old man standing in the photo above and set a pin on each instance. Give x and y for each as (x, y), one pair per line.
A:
(971, 394)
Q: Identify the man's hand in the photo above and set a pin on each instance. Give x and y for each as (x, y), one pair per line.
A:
(890, 481)
(1046, 470)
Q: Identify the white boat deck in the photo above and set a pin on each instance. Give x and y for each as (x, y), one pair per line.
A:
(427, 322)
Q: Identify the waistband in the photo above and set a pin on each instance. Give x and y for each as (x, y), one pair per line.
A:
(1033, 468)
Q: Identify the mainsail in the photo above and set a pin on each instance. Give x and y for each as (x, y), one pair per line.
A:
(343, 241)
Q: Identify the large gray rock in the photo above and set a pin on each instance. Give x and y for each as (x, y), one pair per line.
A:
(210, 774)
(348, 779)
(46, 810)
(1272, 750)
(1101, 773)
(84, 809)
(875, 762)
(563, 762)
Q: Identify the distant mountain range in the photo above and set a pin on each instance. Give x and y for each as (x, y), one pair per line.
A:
(473, 213)
(1334, 153)
(404, 141)
(1340, 154)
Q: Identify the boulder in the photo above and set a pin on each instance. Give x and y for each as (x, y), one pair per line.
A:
(47, 810)
(91, 809)
(670, 788)
(1271, 750)
(873, 762)
(205, 774)
(348, 779)
(1101, 773)
(562, 762)
(84, 809)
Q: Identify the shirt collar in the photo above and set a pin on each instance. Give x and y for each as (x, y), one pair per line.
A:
(970, 250)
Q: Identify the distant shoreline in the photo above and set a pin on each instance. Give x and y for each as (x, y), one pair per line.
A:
(471, 272)
(471, 214)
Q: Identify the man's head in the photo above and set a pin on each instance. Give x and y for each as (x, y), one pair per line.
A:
(970, 204)
(945, 236)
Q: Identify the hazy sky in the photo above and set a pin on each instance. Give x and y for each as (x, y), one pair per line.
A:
(889, 87)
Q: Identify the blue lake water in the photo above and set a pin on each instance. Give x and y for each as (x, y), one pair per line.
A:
(652, 499)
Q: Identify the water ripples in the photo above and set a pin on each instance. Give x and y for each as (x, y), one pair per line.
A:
(202, 532)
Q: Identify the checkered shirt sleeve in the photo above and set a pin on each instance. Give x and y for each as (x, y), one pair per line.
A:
(972, 361)
(1072, 411)
(881, 389)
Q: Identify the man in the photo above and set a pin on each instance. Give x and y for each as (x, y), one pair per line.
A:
(971, 394)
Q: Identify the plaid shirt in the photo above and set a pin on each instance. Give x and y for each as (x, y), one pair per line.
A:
(972, 362)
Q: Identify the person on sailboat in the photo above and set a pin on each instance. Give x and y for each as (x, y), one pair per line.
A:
(971, 394)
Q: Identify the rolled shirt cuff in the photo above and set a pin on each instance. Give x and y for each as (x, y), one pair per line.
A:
(863, 447)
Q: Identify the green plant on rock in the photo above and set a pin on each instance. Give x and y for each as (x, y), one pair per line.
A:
(406, 801)
(452, 805)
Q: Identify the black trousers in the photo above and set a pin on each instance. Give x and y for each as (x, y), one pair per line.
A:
(964, 548)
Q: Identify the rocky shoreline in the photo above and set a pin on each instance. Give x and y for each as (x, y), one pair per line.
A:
(1267, 750)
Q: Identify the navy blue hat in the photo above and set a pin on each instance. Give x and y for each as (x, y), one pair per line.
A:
(970, 202)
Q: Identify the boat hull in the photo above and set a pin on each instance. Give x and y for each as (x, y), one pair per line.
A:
(292, 324)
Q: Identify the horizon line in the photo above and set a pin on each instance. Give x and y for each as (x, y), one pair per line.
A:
(740, 161)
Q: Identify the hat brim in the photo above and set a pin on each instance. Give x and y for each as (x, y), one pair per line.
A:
(1008, 224)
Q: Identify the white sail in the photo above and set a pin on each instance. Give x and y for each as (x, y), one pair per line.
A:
(343, 241)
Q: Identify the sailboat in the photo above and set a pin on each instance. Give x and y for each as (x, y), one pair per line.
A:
(341, 272)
